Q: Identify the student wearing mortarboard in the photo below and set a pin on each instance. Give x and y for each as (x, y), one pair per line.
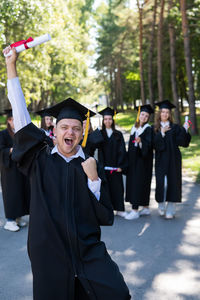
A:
(167, 139)
(140, 162)
(15, 187)
(112, 154)
(68, 204)
(47, 125)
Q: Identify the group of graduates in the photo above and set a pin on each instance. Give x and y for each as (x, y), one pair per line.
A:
(164, 137)
(69, 195)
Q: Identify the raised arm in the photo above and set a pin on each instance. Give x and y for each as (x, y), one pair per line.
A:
(15, 94)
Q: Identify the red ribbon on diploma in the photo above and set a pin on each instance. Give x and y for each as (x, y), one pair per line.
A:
(22, 42)
(134, 141)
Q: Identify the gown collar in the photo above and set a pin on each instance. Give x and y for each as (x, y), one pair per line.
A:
(139, 130)
(79, 153)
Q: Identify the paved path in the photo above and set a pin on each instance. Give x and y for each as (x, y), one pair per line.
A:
(160, 259)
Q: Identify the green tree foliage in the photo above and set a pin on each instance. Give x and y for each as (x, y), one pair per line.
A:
(112, 29)
(115, 47)
(56, 70)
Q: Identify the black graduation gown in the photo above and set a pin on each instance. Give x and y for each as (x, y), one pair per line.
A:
(94, 139)
(112, 153)
(168, 162)
(15, 186)
(64, 229)
(139, 172)
(48, 139)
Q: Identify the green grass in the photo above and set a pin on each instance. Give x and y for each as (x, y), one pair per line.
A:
(191, 155)
(191, 158)
(126, 120)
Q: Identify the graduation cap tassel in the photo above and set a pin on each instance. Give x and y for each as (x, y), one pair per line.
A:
(86, 130)
(138, 114)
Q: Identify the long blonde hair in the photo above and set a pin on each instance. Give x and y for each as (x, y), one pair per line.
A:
(158, 120)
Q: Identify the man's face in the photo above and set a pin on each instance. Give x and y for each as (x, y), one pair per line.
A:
(69, 133)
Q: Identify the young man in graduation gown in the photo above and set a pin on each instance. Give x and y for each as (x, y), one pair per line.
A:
(68, 205)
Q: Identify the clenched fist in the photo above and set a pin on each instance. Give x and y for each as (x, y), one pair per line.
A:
(90, 168)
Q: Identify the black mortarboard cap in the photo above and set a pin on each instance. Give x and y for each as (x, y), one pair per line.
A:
(43, 113)
(147, 108)
(69, 109)
(165, 104)
(8, 112)
(107, 112)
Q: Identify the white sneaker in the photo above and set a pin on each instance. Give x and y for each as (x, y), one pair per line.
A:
(121, 213)
(11, 225)
(161, 212)
(144, 212)
(132, 215)
(169, 216)
(20, 222)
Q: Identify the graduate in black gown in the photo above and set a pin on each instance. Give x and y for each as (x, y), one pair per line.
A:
(112, 155)
(47, 126)
(68, 204)
(15, 186)
(167, 139)
(140, 162)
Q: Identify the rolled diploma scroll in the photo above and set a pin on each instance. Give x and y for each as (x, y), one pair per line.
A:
(186, 119)
(110, 169)
(37, 41)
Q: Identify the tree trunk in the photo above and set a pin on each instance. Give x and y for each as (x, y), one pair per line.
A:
(140, 10)
(115, 98)
(150, 57)
(119, 86)
(173, 65)
(188, 62)
(111, 86)
(159, 49)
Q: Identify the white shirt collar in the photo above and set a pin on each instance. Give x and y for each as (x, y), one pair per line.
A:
(47, 132)
(109, 132)
(68, 159)
(164, 124)
(139, 130)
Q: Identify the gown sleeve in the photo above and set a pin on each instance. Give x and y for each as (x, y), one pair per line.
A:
(102, 207)
(183, 137)
(28, 139)
(122, 155)
(28, 142)
(146, 140)
(5, 155)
